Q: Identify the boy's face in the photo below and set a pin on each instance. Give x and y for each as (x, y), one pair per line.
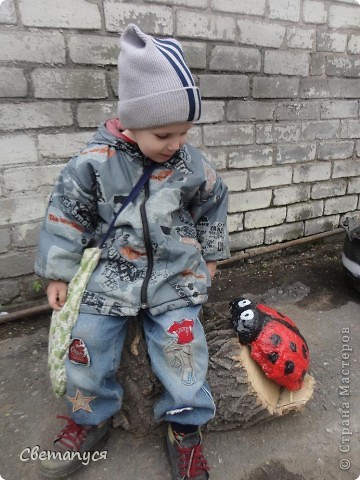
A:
(160, 143)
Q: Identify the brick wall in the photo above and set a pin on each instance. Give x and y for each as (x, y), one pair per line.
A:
(280, 81)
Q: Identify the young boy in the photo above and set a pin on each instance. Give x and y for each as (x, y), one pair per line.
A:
(160, 257)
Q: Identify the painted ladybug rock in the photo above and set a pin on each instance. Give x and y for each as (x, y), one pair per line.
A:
(275, 342)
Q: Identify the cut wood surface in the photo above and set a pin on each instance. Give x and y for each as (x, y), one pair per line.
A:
(243, 395)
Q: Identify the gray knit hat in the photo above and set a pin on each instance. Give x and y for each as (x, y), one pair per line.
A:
(156, 87)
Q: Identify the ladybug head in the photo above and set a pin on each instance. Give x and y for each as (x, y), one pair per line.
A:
(245, 319)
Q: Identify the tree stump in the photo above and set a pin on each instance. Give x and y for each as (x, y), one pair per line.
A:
(242, 393)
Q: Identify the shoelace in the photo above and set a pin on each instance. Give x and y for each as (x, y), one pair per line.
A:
(72, 435)
(192, 462)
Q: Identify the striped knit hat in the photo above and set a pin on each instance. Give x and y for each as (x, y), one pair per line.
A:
(156, 87)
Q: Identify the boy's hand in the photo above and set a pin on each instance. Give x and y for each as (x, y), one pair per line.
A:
(57, 293)
(212, 268)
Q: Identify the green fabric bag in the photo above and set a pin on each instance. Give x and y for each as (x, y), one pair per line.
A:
(63, 321)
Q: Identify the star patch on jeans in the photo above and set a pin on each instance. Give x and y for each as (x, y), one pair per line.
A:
(78, 353)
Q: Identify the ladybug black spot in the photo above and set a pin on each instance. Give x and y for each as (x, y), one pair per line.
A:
(275, 339)
(293, 346)
(273, 357)
(289, 367)
(304, 352)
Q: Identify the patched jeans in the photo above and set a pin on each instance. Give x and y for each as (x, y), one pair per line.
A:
(179, 358)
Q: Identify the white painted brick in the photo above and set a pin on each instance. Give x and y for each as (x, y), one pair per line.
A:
(256, 7)
(285, 10)
(241, 110)
(30, 178)
(114, 80)
(270, 177)
(155, 20)
(247, 157)
(4, 240)
(22, 209)
(333, 188)
(287, 63)
(63, 145)
(263, 134)
(212, 112)
(265, 218)
(7, 12)
(15, 264)
(350, 128)
(35, 115)
(56, 83)
(324, 224)
(339, 109)
(65, 14)
(216, 156)
(320, 130)
(195, 136)
(26, 235)
(93, 50)
(335, 150)
(207, 26)
(354, 44)
(284, 233)
(346, 168)
(267, 87)
(235, 222)
(354, 185)
(317, 65)
(330, 88)
(261, 33)
(195, 54)
(280, 133)
(224, 86)
(311, 173)
(12, 82)
(331, 42)
(358, 148)
(184, 3)
(300, 38)
(17, 149)
(314, 12)
(295, 153)
(236, 59)
(304, 211)
(235, 180)
(41, 47)
(340, 66)
(344, 17)
(297, 111)
(292, 194)
(243, 202)
(340, 204)
(215, 135)
(92, 114)
(243, 240)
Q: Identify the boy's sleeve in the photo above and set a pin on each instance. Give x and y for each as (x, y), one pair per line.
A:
(209, 212)
(69, 225)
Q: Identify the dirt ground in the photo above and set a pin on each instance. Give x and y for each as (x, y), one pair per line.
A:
(321, 443)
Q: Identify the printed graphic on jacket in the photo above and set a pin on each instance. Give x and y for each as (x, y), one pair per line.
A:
(83, 214)
(179, 350)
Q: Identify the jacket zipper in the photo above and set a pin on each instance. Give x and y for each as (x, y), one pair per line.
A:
(148, 247)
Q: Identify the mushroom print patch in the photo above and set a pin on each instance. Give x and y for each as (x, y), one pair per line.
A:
(179, 352)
